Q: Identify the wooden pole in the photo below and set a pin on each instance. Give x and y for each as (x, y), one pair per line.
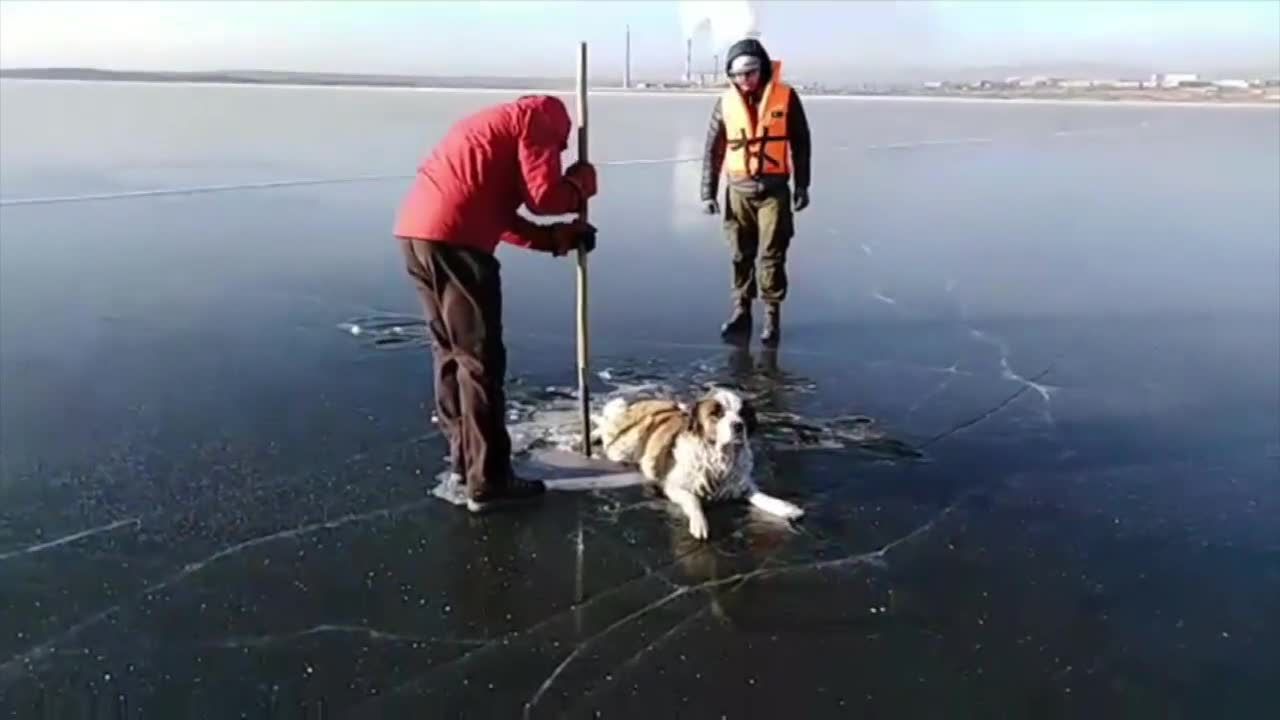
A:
(584, 396)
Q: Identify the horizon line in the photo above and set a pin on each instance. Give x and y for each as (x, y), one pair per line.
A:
(1034, 68)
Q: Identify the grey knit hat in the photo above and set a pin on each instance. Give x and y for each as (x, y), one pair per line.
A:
(744, 64)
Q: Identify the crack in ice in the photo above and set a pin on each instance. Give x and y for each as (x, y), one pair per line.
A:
(952, 372)
(191, 568)
(1008, 373)
(875, 558)
(39, 652)
(577, 651)
(1045, 391)
(630, 663)
(372, 633)
(67, 539)
(681, 592)
(507, 638)
(987, 414)
(26, 660)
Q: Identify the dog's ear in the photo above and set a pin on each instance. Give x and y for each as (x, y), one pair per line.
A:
(693, 421)
(702, 418)
(749, 417)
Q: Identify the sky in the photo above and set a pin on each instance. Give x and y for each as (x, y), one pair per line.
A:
(835, 40)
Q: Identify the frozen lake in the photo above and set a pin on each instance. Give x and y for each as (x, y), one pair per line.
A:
(1059, 323)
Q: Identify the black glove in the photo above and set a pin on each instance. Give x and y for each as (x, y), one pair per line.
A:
(801, 199)
(583, 177)
(570, 236)
(711, 207)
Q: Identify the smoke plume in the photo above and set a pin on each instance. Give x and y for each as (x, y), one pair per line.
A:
(726, 21)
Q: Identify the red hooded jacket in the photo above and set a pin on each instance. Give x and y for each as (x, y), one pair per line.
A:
(489, 164)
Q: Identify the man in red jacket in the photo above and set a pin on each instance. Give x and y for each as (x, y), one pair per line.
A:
(462, 204)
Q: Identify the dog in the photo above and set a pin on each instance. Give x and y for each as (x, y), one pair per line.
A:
(694, 455)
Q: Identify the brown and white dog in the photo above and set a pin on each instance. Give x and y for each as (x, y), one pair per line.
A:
(695, 455)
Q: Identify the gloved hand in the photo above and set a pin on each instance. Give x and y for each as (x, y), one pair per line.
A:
(801, 199)
(583, 176)
(569, 236)
(711, 207)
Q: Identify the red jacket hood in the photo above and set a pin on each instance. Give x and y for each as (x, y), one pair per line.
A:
(548, 111)
(468, 190)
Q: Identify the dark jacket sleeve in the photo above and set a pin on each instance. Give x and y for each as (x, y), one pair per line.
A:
(798, 130)
(713, 154)
(529, 235)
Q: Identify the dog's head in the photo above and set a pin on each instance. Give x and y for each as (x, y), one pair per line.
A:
(723, 418)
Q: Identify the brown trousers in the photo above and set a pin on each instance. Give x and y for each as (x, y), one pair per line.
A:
(759, 226)
(461, 293)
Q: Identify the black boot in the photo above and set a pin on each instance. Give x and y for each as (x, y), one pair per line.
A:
(515, 491)
(738, 325)
(772, 332)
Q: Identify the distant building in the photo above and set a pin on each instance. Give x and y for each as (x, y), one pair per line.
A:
(1077, 84)
(1173, 80)
(1119, 84)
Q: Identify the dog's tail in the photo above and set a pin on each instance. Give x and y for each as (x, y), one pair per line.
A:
(607, 424)
(614, 409)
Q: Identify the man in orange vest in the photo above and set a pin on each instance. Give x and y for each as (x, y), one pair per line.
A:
(759, 134)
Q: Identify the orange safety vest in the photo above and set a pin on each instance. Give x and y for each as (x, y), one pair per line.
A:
(758, 145)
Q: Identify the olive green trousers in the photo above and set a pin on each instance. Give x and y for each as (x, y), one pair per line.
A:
(759, 231)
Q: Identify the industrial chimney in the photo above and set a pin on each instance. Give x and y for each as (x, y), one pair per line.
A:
(688, 61)
(626, 63)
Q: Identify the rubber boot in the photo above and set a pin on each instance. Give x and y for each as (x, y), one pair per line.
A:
(772, 333)
(738, 325)
(515, 492)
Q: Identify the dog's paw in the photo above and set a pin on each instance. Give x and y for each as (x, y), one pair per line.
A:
(791, 512)
(698, 527)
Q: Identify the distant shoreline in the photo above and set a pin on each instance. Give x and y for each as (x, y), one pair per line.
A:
(558, 87)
